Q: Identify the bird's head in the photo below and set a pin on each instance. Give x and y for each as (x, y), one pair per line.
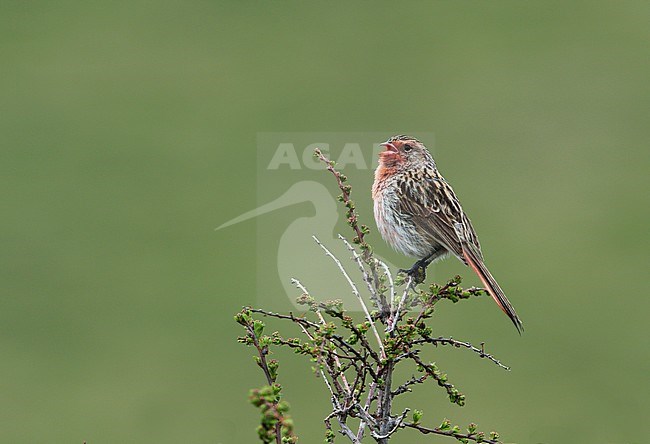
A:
(404, 153)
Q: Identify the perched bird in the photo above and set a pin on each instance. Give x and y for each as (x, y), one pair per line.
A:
(419, 215)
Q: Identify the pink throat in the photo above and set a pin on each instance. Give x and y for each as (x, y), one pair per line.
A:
(389, 159)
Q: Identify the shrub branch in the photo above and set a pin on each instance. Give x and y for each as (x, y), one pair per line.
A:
(359, 375)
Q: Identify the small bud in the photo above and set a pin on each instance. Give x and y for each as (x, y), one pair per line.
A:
(446, 425)
(258, 328)
(243, 317)
(273, 369)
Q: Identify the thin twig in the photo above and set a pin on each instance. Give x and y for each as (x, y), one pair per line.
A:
(366, 407)
(355, 291)
(345, 430)
(345, 193)
(391, 284)
(298, 320)
(426, 431)
(366, 277)
(406, 387)
(341, 416)
(397, 313)
(454, 395)
(298, 284)
(339, 340)
(365, 417)
(262, 352)
(459, 344)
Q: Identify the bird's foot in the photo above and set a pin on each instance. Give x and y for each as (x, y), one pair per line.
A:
(418, 272)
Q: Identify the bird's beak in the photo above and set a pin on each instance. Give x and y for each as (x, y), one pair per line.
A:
(389, 147)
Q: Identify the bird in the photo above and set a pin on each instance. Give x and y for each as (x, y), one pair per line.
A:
(418, 215)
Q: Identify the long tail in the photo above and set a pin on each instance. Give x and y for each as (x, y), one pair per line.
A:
(491, 285)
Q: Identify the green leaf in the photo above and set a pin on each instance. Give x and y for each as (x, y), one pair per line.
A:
(258, 328)
(273, 369)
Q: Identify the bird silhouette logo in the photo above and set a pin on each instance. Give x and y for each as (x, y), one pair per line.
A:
(298, 256)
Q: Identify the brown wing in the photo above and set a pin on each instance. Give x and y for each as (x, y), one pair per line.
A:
(431, 204)
(429, 201)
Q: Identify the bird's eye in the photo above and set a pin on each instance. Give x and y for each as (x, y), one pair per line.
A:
(407, 147)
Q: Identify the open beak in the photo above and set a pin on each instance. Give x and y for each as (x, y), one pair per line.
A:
(389, 146)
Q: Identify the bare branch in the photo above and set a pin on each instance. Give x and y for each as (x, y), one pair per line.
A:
(391, 284)
(358, 374)
(355, 291)
(345, 197)
(397, 314)
(297, 283)
(366, 407)
(459, 344)
(406, 387)
(366, 277)
(337, 340)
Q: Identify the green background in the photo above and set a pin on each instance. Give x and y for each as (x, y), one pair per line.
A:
(128, 132)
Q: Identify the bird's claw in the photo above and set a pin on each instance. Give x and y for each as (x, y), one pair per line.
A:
(418, 272)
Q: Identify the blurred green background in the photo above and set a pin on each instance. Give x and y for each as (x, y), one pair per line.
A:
(128, 132)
